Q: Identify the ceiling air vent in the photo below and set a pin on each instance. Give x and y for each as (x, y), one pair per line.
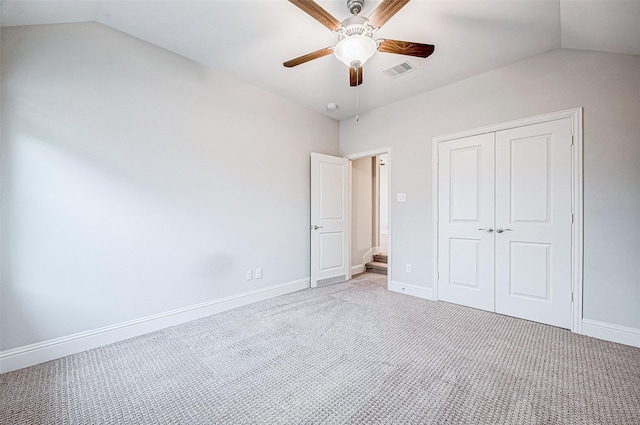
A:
(399, 70)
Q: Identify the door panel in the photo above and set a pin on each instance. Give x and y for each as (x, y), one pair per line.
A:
(466, 197)
(463, 262)
(332, 187)
(330, 241)
(533, 204)
(464, 175)
(529, 271)
(529, 186)
(331, 251)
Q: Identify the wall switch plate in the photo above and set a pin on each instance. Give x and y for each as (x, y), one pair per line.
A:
(408, 268)
(401, 197)
(248, 275)
(258, 273)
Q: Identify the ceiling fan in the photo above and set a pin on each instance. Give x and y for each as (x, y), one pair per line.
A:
(355, 36)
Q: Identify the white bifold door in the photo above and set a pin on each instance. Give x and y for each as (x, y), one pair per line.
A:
(505, 222)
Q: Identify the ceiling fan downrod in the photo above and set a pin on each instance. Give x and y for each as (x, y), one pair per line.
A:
(355, 6)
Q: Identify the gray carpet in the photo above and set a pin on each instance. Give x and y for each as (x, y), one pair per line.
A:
(351, 353)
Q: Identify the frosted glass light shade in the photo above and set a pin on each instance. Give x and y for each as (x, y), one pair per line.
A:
(355, 50)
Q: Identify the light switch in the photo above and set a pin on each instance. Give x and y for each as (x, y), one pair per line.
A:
(401, 197)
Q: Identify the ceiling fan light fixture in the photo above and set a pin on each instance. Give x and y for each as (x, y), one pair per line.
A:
(355, 36)
(355, 50)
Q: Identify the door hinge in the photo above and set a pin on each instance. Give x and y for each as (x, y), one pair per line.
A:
(572, 137)
(572, 218)
(438, 275)
(571, 296)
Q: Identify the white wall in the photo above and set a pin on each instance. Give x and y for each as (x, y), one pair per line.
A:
(135, 181)
(361, 211)
(606, 85)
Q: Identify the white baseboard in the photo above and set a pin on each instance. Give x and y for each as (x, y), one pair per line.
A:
(29, 355)
(368, 256)
(410, 289)
(360, 268)
(611, 332)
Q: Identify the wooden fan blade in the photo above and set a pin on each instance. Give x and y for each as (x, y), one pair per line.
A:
(308, 57)
(385, 11)
(355, 76)
(312, 9)
(406, 48)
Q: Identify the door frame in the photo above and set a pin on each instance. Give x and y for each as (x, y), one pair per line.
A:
(577, 241)
(370, 154)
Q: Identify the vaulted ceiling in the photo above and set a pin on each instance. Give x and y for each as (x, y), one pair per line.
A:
(252, 38)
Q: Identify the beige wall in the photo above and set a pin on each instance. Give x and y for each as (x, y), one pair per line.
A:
(361, 211)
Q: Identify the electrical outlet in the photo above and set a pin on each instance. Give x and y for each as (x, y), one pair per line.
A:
(258, 273)
(248, 275)
(401, 197)
(408, 268)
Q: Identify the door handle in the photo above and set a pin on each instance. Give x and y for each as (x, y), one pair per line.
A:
(315, 227)
(500, 230)
(489, 230)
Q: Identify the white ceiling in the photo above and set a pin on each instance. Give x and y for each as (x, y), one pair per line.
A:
(252, 38)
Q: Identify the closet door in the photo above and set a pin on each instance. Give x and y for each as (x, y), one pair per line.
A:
(466, 221)
(533, 223)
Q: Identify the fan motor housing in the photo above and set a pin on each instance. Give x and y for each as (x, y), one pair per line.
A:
(355, 25)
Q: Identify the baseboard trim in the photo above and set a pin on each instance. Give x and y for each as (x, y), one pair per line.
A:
(368, 256)
(29, 355)
(360, 268)
(410, 289)
(611, 332)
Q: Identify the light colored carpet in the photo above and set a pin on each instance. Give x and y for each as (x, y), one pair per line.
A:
(351, 353)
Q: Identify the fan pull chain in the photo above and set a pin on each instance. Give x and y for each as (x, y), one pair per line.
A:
(357, 95)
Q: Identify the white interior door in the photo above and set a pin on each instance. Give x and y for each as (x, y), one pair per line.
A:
(533, 222)
(330, 215)
(466, 221)
(515, 184)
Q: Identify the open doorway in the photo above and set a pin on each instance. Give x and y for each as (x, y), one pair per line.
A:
(370, 234)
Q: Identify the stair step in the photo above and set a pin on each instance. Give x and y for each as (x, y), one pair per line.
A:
(377, 267)
(381, 258)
